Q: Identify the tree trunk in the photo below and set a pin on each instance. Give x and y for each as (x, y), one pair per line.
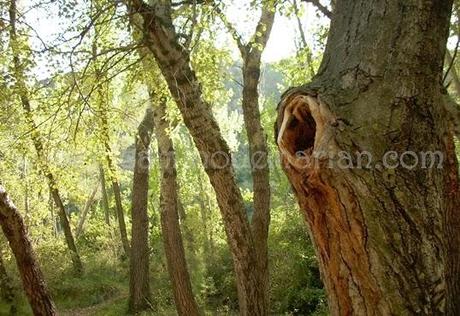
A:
(258, 149)
(37, 141)
(387, 236)
(85, 211)
(453, 73)
(120, 216)
(6, 287)
(139, 296)
(32, 279)
(102, 102)
(172, 238)
(174, 63)
(105, 196)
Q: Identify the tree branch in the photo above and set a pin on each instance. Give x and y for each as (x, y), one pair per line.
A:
(231, 28)
(320, 7)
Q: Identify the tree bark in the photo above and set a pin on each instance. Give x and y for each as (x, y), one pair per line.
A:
(387, 237)
(32, 278)
(257, 140)
(139, 289)
(172, 237)
(174, 62)
(37, 141)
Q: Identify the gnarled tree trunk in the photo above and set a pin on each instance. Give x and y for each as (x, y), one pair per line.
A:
(169, 204)
(32, 278)
(385, 220)
(139, 288)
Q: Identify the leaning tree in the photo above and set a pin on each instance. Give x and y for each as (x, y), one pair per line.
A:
(370, 155)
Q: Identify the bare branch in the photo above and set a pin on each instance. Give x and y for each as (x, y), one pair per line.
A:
(324, 10)
(231, 28)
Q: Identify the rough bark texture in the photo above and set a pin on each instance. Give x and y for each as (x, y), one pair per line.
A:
(387, 239)
(32, 279)
(169, 207)
(37, 140)
(139, 288)
(174, 63)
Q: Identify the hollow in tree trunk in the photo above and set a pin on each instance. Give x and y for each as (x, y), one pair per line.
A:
(372, 162)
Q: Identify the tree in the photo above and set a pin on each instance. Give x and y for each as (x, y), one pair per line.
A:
(105, 196)
(139, 288)
(169, 206)
(22, 91)
(387, 237)
(251, 53)
(101, 103)
(173, 59)
(86, 209)
(32, 278)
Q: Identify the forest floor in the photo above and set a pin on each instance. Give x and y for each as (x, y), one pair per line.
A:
(94, 309)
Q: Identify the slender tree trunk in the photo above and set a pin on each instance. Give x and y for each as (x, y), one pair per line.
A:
(105, 197)
(453, 73)
(174, 63)
(85, 211)
(121, 217)
(6, 287)
(26, 185)
(102, 102)
(36, 138)
(174, 248)
(258, 149)
(32, 279)
(112, 172)
(385, 224)
(53, 217)
(139, 289)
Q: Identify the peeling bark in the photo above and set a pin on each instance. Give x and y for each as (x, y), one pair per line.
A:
(387, 238)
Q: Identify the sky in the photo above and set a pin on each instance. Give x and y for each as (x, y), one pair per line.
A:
(46, 27)
(284, 33)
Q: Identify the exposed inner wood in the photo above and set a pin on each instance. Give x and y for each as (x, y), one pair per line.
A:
(302, 129)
